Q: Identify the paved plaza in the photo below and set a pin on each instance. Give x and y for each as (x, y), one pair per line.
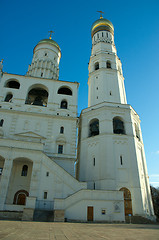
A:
(15, 230)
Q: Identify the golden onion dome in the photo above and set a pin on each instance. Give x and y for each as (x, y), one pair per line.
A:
(48, 41)
(102, 24)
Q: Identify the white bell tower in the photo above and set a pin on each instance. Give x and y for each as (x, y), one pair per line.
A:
(106, 81)
(110, 147)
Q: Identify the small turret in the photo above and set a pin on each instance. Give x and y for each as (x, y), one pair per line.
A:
(46, 58)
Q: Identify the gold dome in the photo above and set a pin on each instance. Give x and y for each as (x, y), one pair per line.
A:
(102, 24)
(49, 41)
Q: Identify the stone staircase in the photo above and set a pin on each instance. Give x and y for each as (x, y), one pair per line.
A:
(43, 216)
(138, 220)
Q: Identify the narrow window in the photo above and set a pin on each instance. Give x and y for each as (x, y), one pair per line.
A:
(97, 97)
(47, 174)
(107, 35)
(24, 171)
(110, 93)
(1, 170)
(102, 34)
(41, 74)
(45, 54)
(94, 161)
(8, 97)
(108, 64)
(63, 104)
(45, 195)
(121, 160)
(62, 130)
(137, 131)
(96, 66)
(94, 186)
(60, 149)
(97, 35)
(1, 122)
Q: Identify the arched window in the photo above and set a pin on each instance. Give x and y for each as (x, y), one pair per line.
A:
(63, 104)
(24, 171)
(8, 97)
(13, 84)
(1, 122)
(94, 127)
(62, 130)
(65, 91)
(37, 96)
(108, 64)
(96, 66)
(118, 126)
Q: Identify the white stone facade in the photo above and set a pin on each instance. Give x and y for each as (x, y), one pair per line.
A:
(38, 139)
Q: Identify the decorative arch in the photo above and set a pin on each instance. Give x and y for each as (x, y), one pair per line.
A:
(93, 127)
(8, 97)
(12, 83)
(108, 63)
(63, 104)
(96, 66)
(127, 201)
(64, 91)
(20, 197)
(118, 126)
(37, 95)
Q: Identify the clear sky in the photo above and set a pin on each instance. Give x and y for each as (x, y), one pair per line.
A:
(24, 23)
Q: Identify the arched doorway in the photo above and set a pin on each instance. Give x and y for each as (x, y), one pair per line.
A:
(127, 201)
(20, 197)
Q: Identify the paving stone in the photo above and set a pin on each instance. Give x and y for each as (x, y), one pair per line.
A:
(14, 230)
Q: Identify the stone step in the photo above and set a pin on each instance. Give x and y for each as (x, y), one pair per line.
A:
(43, 216)
(138, 220)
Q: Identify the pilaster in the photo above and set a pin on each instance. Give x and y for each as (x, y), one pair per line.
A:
(4, 183)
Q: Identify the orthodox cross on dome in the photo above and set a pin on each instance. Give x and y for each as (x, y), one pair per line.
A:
(51, 32)
(101, 16)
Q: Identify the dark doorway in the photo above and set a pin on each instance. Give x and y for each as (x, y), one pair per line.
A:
(89, 213)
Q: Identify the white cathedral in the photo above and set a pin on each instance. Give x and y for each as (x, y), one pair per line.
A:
(39, 145)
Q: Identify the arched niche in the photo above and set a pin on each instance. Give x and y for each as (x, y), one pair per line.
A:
(12, 83)
(118, 126)
(65, 91)
(20, 197)
(37, 95)
(93, 127)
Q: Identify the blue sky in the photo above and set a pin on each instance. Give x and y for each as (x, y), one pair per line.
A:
(24, 23)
